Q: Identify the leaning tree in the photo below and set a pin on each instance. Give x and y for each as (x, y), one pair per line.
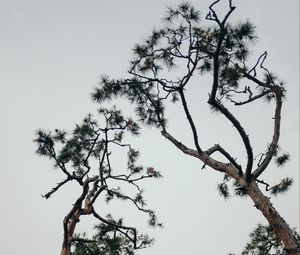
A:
(86, 158)
(187, 48)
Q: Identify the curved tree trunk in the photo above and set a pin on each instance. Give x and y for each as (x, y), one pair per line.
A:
(281, 228)
(69, 228)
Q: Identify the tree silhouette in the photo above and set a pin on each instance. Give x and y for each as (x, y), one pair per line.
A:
(84, 157)
(188, 47)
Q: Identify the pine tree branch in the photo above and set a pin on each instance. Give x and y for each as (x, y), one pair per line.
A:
(212, 15)
(240, 130)
(180, 145)
(62, 166)
(85, 162)
(119, 228)
(231, 9)
(214, 102)
(53, 190)
(132, 200)
(149, 79)
(264, 183)
(255, 80)
(190, 120)
(127, 178)
(261, 59)
(276, 134)
(206, 159)
(251, 99)
(218, 148)
(96, 194)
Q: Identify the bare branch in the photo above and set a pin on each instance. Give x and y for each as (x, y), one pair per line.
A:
(276, 133)
(231, 9)
(180, 146)
(264, 93)
(212, 15)
(218, 148)
(216, 165)
(261, 59)
(191, 122)
(264, 183)
(60, 184)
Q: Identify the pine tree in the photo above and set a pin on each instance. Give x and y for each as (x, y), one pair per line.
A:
(214, 47)
(84, 158)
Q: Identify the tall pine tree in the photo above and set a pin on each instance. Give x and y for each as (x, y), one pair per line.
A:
(195, 48)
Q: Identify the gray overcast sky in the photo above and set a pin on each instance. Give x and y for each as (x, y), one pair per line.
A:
(51, 56)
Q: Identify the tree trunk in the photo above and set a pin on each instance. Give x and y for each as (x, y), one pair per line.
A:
(281, 228)
(69, 228)
(65, 250)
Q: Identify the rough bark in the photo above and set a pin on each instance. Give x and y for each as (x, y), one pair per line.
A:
(281, 228)
(68, 235)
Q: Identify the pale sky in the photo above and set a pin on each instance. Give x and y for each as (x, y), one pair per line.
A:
(51, 56)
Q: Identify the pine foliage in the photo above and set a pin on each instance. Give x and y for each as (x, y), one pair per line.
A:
(265, 242)
(84, 157)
